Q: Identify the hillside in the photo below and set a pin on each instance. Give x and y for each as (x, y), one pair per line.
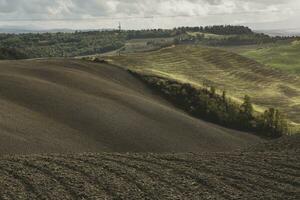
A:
(225, 70)
(287, 143)
(68, 43)
(151, 176)
(63, 106)
(280, 56)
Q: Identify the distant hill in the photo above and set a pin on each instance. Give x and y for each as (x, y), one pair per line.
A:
(16, 30)
(281, 32)
(70, 43)
(279, 56)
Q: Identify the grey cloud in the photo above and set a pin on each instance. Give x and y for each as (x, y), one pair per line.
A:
(125, 7)
(209, 11)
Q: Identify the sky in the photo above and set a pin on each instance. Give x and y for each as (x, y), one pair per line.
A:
(146, 14)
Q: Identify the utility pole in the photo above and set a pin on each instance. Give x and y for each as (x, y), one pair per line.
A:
(120, 27)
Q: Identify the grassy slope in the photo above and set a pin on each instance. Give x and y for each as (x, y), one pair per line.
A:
(282, 56)
(210, 35)
(228, 71)
(73, 105)
(248, 175)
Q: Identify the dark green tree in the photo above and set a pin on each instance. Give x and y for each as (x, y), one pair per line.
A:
(274, 123)
(224, 96)
(213, 90)
(247, 108)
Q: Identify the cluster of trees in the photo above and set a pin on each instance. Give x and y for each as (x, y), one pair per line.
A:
(151, 33)
(241, 40)
(11, 54)
(218, 29)
(161, 33)
(63, 44)
(273, 123)
(206, 104)
(226, 40)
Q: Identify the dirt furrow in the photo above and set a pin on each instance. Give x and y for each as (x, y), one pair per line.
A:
(25, 176)
(230, 177)
(94, 185)
(271, 172)
(163, 182)
(267, 180)
(117, 182)
(229, 182)
(285, 164)
(11, 187)
(277, 168)
(280, 180)
(131, 176)
(109, 181)
(63, 177)
(224, 169)
(163, 188)
(207, 184)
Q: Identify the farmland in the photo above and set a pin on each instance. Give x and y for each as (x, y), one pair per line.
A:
(225, 70)
(149, 114)
(82, 43)
(284, 57)
(69, 105)
(240, 175)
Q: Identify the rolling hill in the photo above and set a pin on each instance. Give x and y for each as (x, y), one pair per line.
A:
(53, 112)
(59, 106)
(226, 70)
(279, 56)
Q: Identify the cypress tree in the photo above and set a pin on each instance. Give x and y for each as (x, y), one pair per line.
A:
(247, 108)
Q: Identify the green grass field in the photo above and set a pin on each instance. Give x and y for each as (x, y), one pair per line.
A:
(285, 57)
(226, 70)
(210, 35)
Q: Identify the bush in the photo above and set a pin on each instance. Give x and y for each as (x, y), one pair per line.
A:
(206, 104)
(11, 54)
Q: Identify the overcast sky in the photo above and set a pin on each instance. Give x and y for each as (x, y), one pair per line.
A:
(140, 14)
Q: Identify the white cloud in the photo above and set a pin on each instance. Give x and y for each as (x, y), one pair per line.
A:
(189, 12)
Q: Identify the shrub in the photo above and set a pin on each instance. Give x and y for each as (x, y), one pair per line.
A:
(206, 104)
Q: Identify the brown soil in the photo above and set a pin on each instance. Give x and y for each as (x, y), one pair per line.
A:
(62, 106)
(151, 176)
(59, 106)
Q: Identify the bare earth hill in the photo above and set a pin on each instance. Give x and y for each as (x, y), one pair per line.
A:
(59, 106)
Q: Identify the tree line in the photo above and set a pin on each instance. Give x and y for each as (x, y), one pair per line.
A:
(161, 33)
(80, 43)
(11, 54)
(226, 40)
(218, 29)
(205, 103)
(35, 45)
